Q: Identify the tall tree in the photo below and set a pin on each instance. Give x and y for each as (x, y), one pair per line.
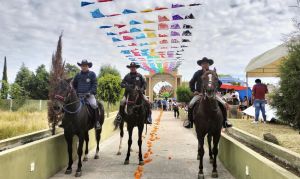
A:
(184, 94)
(108, 69)
(41, 83)
(71, 70)
(4, 86)
(24, 79)
(56, 73)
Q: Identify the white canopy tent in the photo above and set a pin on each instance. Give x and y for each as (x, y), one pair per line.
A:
(267, 64)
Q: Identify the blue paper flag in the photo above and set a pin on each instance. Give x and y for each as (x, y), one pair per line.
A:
(97, 14)
(128, 11)
(84, 3)
(133, 22)
(111, 33)
(114, 39)
(105, 27)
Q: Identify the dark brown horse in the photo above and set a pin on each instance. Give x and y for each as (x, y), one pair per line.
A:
(77, 120)
(135, 115)
(208, 120)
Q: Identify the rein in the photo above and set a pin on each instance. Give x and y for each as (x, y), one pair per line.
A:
(63, 99)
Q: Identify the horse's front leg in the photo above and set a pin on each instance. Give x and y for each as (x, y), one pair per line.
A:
(140, 141)
(86, 138)
(216, 139)
(201, 154)
(98, 138)
(121, 137)
(79, 152)
(129, 144)
(209, 137)
(69, 140)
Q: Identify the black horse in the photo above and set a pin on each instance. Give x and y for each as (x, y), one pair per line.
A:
(78, 119)
(208, 120)
(135, 115)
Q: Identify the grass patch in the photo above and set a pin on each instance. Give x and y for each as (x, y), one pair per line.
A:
(17, 123)
(287, 136)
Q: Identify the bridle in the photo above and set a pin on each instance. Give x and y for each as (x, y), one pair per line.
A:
(210, 84)
(65, 99)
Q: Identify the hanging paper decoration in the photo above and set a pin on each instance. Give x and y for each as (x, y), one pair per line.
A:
(119, 25)
(141, 36)
(191, 16)
(186, 33)
(185, 26)
(162, 18)
(105, 27)
(111, 33)
(97, 14)
(149, 22)
(177, 17)
(127, 38)
(174, 33)
(163, 26)
(151, 35)
(128, 11)
(104, 0)
(133, 22)
(177, 5)
(146, 10)
(159, 49)
(132, 30)
(175, 26)
(160, 8)
(114, 39)
(83, 3)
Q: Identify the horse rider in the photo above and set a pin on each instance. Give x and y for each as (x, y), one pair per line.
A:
(131, 80)
(196, 85)
(85, 84)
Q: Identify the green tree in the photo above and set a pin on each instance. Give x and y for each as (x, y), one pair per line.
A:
(109, 89)
(108, 69)
(17, 92)
(24, 79)
(4, 86)
(40, 83)
(184, 94)
(71, 70)
(286, 99)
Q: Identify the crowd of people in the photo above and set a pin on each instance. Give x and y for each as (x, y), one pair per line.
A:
(166, 105)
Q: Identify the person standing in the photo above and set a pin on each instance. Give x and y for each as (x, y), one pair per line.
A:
(259, 92)
(175, 109)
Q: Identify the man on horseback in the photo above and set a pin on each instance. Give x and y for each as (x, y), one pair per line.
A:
(196, 85)
(85, 84)
(131, 80)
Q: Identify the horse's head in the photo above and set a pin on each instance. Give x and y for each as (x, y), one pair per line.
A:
(135, 96)
(62, 93)
(210, 83)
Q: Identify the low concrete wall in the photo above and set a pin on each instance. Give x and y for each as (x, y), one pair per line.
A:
(244, 163)
(48, 156)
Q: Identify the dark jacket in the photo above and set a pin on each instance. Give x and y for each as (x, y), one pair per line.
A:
(132, 79)
(85, 82)
(196, 82)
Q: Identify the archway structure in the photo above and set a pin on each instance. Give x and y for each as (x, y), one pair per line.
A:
(152, 79)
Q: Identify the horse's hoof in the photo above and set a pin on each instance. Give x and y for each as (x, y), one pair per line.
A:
(78, 174)
(200, 176)
(119, 153)
(141, 163)
(126, 162)
(211, 161)
(96, 157)
(85, 159)
(198, 157)
(214, 175)
(68, 171)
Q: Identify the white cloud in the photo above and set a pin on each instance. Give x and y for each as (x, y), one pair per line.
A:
(231, 32)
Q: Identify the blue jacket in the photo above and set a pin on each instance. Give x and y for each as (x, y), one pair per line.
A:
(85, 82)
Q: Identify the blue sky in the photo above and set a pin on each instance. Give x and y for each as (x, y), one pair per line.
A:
(231, 32)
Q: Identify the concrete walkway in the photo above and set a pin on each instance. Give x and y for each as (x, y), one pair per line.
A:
(174, 156)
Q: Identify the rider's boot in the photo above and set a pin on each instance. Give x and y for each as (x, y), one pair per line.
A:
(97, 117)
(190, 118)
(226, 123)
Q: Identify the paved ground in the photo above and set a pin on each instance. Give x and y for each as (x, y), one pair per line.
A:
(174, 156)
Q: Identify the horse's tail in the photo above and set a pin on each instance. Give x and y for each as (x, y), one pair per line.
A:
(102, 112)
(117, 122)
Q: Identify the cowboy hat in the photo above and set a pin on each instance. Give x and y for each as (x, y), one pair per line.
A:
(132, 64)
(205, 59)
(85, 62)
